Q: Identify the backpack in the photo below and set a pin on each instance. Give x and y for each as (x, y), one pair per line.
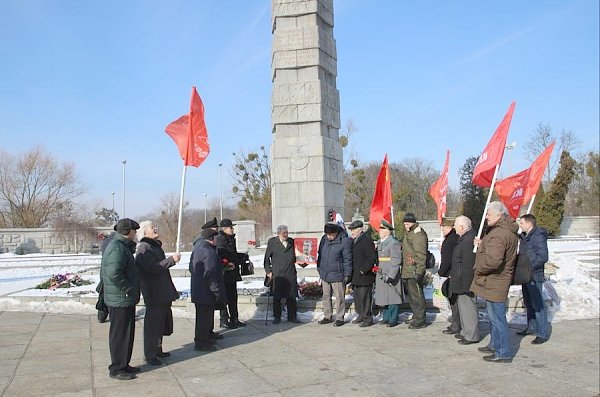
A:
(430, 261)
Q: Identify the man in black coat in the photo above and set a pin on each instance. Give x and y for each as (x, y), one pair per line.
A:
(230, 258)
(207, 287)
(280, 266)
(461, 277)
(364, 257)
(450, 238)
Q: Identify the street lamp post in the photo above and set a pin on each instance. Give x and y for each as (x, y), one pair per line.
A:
(112, 213)
(205, 207)
(221, 190)
(123, 212)
(510, 147)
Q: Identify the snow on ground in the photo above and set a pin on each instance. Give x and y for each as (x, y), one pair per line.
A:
(575, 282)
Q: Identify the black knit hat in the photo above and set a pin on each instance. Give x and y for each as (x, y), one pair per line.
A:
(409, 217)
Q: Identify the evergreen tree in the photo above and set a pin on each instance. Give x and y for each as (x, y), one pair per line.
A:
(473, 197)
(552, 206)
(539, 198)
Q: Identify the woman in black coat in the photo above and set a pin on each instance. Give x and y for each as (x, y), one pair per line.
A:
(280, 266)
(158, 290)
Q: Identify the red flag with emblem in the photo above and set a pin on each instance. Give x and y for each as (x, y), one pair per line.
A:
(382, 198)
(493, 152)
(439, 190)
(189, 133)
(519, 188)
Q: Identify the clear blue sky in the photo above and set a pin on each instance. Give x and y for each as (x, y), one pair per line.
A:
(97, 82)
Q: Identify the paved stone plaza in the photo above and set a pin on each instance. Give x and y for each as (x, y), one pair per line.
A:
(67, 355)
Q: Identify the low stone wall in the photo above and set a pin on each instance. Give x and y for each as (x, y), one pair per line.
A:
(46, 240)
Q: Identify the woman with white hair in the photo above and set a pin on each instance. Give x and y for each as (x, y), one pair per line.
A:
(157, 288)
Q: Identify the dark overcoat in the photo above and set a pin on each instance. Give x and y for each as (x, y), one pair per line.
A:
(207, 284)
(119, 275)
(446, 253)
(364, 257)
(535, 246)
(227, 249)
(282, 262)
(155, 278)
(463, 260)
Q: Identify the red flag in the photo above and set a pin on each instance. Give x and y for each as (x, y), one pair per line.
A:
(537, 171)
(511, 191)
(189, 133)
(382, 198)
(519, 188)
(439, 189)
(493, 152)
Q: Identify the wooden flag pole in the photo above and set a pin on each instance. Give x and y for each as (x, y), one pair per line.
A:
(487, 203)
(180, 209)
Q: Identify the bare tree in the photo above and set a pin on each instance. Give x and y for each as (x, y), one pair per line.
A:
(542, 137)
(251, 176)
(35, 188)
(78, 229)
(350, 156)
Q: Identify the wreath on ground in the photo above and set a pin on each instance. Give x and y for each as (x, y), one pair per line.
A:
(66, 280)
(310, 290)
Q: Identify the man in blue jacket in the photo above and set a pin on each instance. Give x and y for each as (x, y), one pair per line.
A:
(334, 263)
(534, 244)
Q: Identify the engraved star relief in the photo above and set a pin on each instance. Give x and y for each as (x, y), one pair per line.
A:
(299, 158)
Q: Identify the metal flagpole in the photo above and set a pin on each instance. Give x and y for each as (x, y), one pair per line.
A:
(180, 209)
(531, 204)
(486, 206)
(392, 218)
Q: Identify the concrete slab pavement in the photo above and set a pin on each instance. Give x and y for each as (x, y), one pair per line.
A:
(67, 355)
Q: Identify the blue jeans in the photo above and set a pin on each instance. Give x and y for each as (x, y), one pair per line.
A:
(537, 316)
(499, 340)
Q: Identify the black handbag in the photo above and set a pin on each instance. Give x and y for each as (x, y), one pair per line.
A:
(246, 267)
(522, 273)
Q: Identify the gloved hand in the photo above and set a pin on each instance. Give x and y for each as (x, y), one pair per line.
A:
(419, 278)
(347, 280)
(389, 280)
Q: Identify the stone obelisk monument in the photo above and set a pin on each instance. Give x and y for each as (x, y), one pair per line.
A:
(307, 170)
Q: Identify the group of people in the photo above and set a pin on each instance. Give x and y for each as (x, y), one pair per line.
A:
(473, 267)
(487, 272)
(133, 261)
(390, 267)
